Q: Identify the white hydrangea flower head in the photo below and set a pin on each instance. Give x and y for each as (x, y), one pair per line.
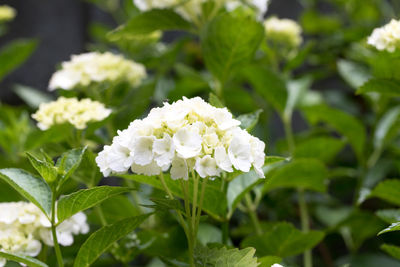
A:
(276, 265)
(7, 13)
(386, 37)
(23, 227)
(284, 31)
(185, 136)
(192, 9)
(70, 110)
(94, 67)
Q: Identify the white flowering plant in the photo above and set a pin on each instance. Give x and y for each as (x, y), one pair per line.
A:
(208, 133)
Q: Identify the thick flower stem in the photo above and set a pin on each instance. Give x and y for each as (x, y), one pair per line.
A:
(53, 230)
(251, 209)
(305, 225)
(191, 235)
(200, 207)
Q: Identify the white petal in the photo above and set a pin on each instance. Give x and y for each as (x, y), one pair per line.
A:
(179, 169)
(143, 150)
(206, 166)
(239, 153)
(222, 159)
(187, 143)
(149, 170)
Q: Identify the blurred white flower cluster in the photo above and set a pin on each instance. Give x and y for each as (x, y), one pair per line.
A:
(23, 226)
(187, 135)
(387, 37)
(95, 67)
(70, 110)
(7, 13)
(192, 9)
(283, 31)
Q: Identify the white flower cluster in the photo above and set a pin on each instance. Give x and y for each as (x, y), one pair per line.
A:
(94, 67)
(6, 13)
(387, 37)
(190, 9)
(23, 226)
(70, 110)
(187, 135)
(283, 31)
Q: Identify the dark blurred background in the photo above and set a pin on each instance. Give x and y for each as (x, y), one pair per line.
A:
(61, 28)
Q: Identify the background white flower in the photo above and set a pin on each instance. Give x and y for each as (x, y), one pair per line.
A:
(7, 13)
(283, 31)
(70, 110)
(387, 37)
(188, 135)
(95, 67)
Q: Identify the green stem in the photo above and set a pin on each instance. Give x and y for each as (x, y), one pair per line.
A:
(191, 237)
(251, 209)
(289, 134)
(53, 230)
(194, 205)
(200, 207)
(305, 225)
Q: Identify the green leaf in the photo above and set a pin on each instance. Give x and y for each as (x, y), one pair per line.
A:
(268, 261)
(301, 173)
(69, 162)
(223, 257)
(296, 91)
(385, 126)
(148, 22)
(166, 204)
(32, 188)
(14, 54)
(388, 190)
(46, 169)
(323, 147)
(215, 101)
(32, 97)
(249, 120)
(393, 227)
(29, 261)
(269, 85)
(101, 240)
(381, 86)
(86, 198)
(342, 122)
(283, 240)
(229, 42)
(214, 204)
(353, 73)
(392, 250)
(389, 215)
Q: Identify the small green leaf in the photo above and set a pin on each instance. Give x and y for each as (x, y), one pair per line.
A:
(323, 147)
(353, 73)
(392, 250)
(29, 261)
(44, 168)
(301, 173)
(166, 204)
(69, 162)
(223, 257)
(101, 240)
(283, 240)
(296, 91)
(393, 227)
(381, 86)
(229, 42)
(388, 190)
(389, 215)
(249, 120)
(86, 198)
(386, 125)
(32, 97)
(342, 122)
(268, 261)
(148, 22)
(215, 101)
(268, 85)
(14, 54)
(32, 188)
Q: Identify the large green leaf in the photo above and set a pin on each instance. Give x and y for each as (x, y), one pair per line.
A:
(29, 261)
(385, 126)
(324, 148)
(392, 228)
(353, 73)
(381, 86)
(148, 22)
(101, 240)
(229, 42)
(223, 257)
(283, 240)
(342, 122)
(86, 198)
(388, 190)
(214, 202)
(14, 54)
(392, 250)
(46, 169)
(32, 188)
(301, 173)
(69, 162)
(31, 97)
(269, 85)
